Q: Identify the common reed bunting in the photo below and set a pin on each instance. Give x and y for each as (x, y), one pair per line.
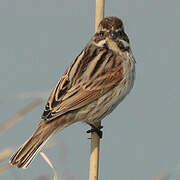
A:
(93, 85)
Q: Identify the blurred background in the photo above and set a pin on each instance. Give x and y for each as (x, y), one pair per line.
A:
(38, 41)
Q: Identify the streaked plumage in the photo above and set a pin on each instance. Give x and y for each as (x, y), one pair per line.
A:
(94, 84)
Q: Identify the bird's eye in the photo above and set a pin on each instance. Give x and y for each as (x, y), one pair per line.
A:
(113, 35)
(101, 33)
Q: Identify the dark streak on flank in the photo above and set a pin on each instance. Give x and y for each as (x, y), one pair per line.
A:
(99, 62)
(90, 53)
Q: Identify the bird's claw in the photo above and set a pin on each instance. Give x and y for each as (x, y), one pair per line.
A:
(97, 130)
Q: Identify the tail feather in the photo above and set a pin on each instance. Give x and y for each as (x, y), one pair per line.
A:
(27, 152)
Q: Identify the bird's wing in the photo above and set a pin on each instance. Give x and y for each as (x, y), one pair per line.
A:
(83, 83)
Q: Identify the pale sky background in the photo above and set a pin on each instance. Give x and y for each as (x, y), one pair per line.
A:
(40, 38)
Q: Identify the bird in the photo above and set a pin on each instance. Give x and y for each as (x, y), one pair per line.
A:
(92, 86)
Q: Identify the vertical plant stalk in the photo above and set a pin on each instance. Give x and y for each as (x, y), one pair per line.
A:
(99, 12)
(95, 139)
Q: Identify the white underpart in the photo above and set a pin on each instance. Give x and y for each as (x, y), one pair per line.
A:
(125, 43)
(101, 43)
(117, 94)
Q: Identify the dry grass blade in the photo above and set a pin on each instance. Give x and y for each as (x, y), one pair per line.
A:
(36, 95)
(6, 153)
(50, 143)
(41, 178)
(50, 164)
(19, 115)
(162, 177)
(5, 167)
(167, 176)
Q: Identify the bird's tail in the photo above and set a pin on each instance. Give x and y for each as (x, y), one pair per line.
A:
(26, 153)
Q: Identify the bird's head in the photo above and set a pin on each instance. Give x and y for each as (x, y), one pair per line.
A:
(111, 33)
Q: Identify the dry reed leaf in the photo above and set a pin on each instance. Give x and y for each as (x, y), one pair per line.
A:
(5, 167)
(52, 142)
(50, 164)
(19, 115)
(167, 176)
(162, 176)
(41, 178)
(36, 94)
(158, 177)
(6, 153)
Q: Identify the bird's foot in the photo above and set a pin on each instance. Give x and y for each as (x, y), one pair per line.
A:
(96, 129)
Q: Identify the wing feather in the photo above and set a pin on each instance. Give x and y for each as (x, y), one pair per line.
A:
(69, 95)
